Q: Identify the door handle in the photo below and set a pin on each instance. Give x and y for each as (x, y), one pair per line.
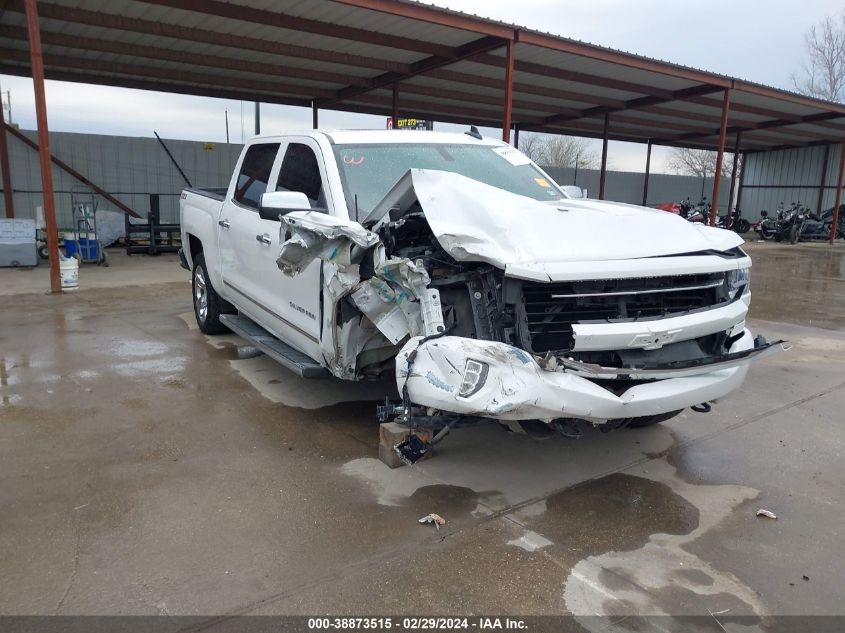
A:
(224, 223)
(264, 239)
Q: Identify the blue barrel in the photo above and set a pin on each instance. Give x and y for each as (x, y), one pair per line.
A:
(88, 249)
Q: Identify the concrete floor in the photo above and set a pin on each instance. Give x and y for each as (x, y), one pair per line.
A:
(148, 469)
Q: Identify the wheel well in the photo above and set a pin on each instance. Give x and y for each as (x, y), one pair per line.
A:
(194, 246)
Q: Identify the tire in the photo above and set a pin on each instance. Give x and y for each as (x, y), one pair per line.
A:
(793, 234)
(44, 252)
(208, 306)
(650, 420)
(778, 237)
(742, 226)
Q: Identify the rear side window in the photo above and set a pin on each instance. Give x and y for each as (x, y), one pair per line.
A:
(301, 172)
(255, 173)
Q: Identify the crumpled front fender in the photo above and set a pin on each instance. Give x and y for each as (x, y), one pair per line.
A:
(517, 388)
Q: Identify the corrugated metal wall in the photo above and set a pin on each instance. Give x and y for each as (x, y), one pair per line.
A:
(787, 176)
(130, 168)
(625, 186)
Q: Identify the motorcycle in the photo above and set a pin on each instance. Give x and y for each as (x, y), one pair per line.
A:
(734, 222)
(786, 225)
(816, 228)
(699, 213)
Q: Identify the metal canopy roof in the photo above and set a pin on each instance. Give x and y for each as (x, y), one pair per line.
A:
(449, 66)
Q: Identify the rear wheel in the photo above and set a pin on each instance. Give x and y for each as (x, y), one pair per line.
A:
(207, 303)
(649, 420)
(793, 234)
(742, 226)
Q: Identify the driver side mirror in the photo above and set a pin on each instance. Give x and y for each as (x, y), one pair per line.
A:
(276, 203)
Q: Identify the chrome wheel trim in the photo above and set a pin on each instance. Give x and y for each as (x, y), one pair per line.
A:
(200, 294)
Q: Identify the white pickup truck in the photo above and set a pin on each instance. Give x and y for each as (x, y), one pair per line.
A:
(458, 265)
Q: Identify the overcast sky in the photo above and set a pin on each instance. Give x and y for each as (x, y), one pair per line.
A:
(758, 40)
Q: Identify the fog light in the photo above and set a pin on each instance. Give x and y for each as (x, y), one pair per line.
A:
(475, 375)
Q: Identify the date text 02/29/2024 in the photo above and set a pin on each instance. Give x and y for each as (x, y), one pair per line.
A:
(416, 623)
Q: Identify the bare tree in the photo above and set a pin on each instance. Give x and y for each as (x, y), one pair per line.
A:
(698, 162)
(822, 74)
(532, 145)
(553, 150)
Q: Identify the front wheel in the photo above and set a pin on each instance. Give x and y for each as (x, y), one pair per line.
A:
(742, 226)
(207, 303)
(794, 232)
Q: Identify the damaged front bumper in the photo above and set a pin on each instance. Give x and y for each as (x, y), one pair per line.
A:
(494, 380)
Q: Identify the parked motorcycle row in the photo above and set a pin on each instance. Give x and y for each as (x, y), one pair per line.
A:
(797, 223)
(701, 213)
(792, 224)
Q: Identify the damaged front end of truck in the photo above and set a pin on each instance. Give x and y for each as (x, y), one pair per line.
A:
(489, 305)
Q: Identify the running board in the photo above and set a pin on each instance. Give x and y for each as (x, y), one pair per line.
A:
(279, 351)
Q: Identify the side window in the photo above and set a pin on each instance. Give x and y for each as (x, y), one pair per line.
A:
(255, 173)
(301, 172)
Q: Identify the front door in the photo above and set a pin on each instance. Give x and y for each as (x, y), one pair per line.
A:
(295, 300)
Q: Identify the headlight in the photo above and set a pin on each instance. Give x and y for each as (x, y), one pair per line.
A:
(475, 375)
(738, 278)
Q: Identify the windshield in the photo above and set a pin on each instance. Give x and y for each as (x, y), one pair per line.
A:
(369, 171)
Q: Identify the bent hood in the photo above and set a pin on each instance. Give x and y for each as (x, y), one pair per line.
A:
(477, 222)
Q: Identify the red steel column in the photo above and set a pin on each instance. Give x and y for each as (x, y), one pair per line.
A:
(647, 170)
(603, 172)
(8, 198)
(835, 225)
(37, 62)
(720, 156)
(823, 179)
(508, 106)
(314, 114)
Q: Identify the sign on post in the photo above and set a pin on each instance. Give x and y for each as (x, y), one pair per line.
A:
(409, 124)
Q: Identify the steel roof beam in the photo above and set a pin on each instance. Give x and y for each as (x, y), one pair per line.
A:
(184, 57)
(133, 70)
(525, 88)
(434, 16)
(468, 112)
(633, 104)
(591, 51)
(574, 76)
(279, 20)
(767, 125)
(156, 85)
(475, 47)
(202, 36)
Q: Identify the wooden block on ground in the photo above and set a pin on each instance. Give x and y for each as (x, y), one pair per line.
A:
(392, 433)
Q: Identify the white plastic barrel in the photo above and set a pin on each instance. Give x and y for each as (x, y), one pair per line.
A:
(69, 273)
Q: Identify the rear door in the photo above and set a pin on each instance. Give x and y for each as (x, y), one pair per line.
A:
(239, 228)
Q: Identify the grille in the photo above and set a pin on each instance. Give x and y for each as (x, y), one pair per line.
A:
(552, 308)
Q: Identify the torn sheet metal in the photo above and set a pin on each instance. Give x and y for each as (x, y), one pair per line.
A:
(317, 235)
(474, 221)
(398, 300)
(517, 388)
(380, 304)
